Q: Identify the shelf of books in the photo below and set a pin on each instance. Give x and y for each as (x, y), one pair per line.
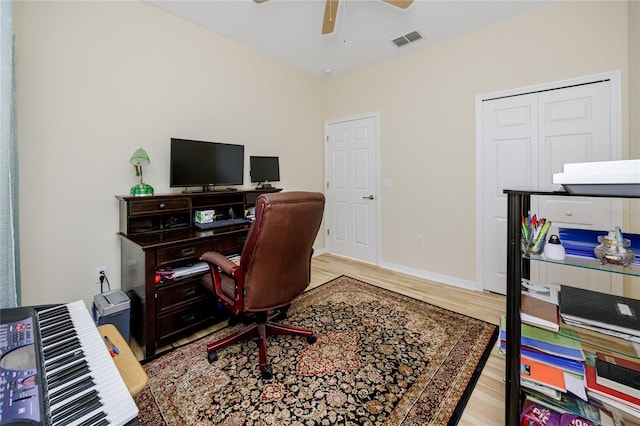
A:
(576, 356)
(577, 370)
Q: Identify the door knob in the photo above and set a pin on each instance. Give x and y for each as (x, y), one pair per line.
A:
(370, 197)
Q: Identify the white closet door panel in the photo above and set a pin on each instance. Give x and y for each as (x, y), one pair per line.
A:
(525, 140)
(574, 127)
(510, 159)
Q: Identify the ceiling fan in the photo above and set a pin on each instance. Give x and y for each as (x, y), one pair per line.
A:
(331, 9)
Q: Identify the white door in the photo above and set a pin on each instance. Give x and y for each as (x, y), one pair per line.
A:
(527, 138)
(575, 126)
(508, 158)
(351, 147)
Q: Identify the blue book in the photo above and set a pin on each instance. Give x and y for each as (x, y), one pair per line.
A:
(581, 242)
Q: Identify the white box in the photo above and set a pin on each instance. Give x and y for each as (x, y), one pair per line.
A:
(204, 216)
(595, 178)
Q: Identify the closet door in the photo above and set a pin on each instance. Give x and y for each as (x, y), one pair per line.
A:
(525, 140)
(509, 158)
(575, 126)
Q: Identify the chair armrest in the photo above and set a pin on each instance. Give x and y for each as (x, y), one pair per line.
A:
(221, 261)
(217, 262)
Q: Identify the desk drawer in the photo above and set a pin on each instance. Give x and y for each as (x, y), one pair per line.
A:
(146, 207)
(189, 251)
(172, 295)
(179, 321)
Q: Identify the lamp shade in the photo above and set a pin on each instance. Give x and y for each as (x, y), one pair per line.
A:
(140, 158)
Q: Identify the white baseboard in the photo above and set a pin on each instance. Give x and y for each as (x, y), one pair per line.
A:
(319, 251)
(431, 276)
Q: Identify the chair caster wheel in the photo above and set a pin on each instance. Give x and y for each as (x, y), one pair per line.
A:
(267, 374)
(213, 356)
(311, 339)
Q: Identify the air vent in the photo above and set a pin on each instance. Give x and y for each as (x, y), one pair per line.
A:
(400, 41)
(407, 38)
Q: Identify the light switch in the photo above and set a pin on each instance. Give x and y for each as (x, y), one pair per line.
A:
(386, 183)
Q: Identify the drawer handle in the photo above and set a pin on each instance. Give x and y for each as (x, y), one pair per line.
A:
(188, 251)
(163, 205)
(188, 317)
(189, 292)
(568, 213)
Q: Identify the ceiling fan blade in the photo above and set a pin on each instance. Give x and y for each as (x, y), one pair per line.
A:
(329, 20)
(259, 1)
(402, 4)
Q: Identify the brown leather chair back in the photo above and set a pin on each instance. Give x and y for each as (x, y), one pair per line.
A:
(276, 258)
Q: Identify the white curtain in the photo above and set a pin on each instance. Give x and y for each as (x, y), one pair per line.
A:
(9, 248)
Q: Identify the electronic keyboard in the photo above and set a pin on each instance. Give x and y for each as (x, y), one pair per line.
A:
(55, 369)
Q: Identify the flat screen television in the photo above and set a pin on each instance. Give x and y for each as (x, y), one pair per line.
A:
(205, 164)
(264, 169)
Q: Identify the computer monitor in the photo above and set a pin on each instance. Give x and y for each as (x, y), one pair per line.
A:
(205, 164)
(264, 170)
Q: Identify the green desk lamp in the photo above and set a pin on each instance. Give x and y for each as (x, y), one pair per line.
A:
(138, 159)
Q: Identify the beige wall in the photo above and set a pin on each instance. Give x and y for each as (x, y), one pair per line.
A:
(426, 102)
(97, 80)
(632, 220)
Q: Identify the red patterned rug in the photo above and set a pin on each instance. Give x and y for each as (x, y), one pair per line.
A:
(381, 358)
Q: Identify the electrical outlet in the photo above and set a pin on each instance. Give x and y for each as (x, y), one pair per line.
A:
(419, 239)
(104, 269)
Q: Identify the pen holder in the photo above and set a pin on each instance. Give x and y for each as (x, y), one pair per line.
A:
(529, 247)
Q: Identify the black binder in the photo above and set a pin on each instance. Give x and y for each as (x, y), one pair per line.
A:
(602, 310)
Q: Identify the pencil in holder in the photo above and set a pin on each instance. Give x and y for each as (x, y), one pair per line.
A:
(531, 247)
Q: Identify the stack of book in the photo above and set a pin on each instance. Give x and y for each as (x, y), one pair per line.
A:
(551, 363)
(609, 314)
(552, 375)
(613, 382)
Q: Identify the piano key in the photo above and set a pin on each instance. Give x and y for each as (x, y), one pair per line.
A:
(58, 327)
(64, 375)
(44, 314)
(95, 420)
(87, 405)
(65, 393)
(62, 347)
(63, 360)
(119, 404)
(84, 398)
(114, 404)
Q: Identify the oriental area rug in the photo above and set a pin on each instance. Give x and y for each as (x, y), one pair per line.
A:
(381, 358)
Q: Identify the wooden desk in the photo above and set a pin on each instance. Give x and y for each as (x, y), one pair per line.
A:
(130, 369)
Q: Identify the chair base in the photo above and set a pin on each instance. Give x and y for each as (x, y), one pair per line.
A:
(260, 329)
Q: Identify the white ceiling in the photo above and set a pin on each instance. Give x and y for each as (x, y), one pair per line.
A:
(289, 30)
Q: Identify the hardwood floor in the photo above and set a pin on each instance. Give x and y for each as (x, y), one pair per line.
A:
(486, 405)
